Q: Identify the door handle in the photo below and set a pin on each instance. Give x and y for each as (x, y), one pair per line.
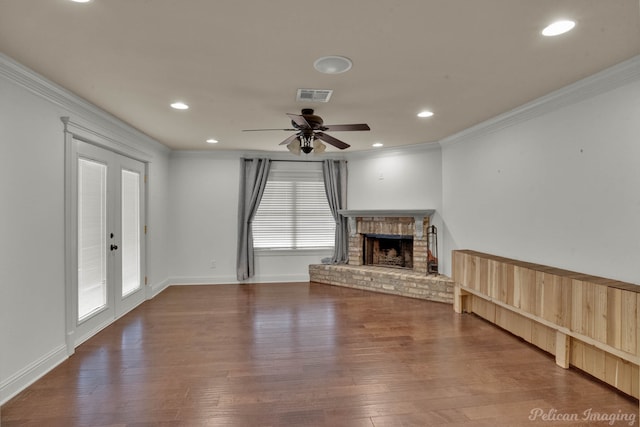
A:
(114, 247)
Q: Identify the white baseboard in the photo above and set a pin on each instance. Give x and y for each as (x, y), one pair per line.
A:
(196, 280)
(31, 373)
(284, 278)
(224, 280)
(156, 288)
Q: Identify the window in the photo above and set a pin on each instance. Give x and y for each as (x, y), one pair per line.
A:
(294, 212)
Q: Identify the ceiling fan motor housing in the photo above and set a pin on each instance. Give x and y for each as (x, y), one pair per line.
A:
(315, 122)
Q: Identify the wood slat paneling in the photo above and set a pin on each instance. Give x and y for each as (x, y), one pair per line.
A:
(628, 323)
(600, 317)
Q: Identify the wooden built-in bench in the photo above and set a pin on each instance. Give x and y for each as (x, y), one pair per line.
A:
(587, 322)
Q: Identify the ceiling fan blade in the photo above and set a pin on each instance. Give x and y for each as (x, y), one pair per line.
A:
(289, 140)
(331, 140)
(256, 130)
(340, 128)
(299, 120)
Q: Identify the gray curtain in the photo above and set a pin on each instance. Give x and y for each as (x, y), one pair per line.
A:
(335, 185)
(253, 179)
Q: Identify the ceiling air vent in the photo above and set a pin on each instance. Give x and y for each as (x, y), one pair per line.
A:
(314, 95)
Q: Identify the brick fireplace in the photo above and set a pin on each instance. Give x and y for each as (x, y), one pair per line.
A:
(398, 238)
(399, 224)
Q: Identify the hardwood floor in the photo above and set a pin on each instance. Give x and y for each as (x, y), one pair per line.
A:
(309, 355)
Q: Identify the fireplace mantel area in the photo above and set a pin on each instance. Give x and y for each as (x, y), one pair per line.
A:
(388, 253)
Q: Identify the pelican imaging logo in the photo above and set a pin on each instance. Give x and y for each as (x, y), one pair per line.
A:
(588, 415)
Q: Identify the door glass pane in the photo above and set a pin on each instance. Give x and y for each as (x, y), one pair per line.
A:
(92, 237)
(130, 232)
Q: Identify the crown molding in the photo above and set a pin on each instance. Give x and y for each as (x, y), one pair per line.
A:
(589, 87)
(393, 151)
(79, 108)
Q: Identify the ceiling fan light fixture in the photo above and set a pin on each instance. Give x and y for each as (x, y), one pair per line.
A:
(294, 146)
(318, 147)
(333, 64)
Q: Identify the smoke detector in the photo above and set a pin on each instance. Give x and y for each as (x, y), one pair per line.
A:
(333, 64)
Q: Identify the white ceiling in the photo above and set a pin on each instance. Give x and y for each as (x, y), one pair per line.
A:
(238, 63)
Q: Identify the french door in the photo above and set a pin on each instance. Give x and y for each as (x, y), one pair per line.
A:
(109, 222)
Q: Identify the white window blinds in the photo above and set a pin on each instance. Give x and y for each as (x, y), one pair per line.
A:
(294, 212)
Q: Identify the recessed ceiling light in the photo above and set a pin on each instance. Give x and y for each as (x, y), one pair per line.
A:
(180, 105)
(212, 141)
(332, 64)
(425, 113)
(558, 27)
(81, 1)
(377, 144)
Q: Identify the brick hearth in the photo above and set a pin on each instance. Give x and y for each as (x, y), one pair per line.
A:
(386, 280)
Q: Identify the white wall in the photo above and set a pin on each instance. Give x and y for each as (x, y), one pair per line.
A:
(560, 188)
(32, 265)
(203, 222)
(204, 202)
(158, 231)
(32, 293)
(409, 178)
(202, 215)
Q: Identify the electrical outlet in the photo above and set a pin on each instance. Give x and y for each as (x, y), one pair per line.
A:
(212, 265)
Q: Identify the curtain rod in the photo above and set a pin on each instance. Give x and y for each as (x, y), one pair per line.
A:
(297, 161)
(304, 161)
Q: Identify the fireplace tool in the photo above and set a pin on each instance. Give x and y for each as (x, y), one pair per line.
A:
(432, 250)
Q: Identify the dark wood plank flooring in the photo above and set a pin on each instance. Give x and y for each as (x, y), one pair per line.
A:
(308, 355)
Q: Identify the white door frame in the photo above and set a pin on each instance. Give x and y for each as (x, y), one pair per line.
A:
(74, 132)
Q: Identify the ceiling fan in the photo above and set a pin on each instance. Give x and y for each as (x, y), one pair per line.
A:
(310, 131)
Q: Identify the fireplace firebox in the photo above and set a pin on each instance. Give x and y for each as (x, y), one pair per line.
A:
(387, 250)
